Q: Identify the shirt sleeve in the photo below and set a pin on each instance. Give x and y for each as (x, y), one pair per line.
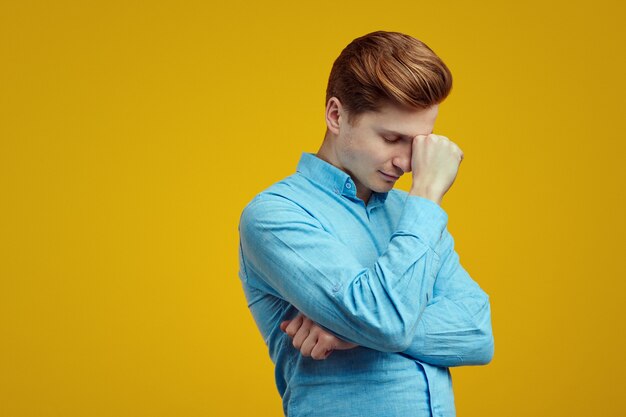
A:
(377, 307)
(455, 328)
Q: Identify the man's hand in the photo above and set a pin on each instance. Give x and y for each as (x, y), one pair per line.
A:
(311, 339)
(435, 162)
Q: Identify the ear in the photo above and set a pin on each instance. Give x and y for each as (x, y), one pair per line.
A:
(334, 115)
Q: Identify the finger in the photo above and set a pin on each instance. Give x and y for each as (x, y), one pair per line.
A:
(301, 335)
(321, 351)
(309, 343)
(284, 324)
(435, 138)
(325, 344)
(419, 138)
(292, 328)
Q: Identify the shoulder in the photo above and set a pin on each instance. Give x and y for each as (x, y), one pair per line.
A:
(281, 203)
(282, 194)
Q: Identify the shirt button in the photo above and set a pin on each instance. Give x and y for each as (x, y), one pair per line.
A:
(348, 185)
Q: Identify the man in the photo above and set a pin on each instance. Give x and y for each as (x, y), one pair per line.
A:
(355, 286)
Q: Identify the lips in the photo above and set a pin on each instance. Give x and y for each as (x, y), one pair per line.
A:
(389, 177)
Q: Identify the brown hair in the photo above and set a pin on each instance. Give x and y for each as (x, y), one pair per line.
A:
(387, 67)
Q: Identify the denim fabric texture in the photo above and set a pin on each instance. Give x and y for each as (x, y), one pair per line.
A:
(383, 275)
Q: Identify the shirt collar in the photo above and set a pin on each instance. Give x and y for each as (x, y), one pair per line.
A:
(331, 177)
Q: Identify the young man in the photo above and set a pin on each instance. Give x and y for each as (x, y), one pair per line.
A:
(355, 286)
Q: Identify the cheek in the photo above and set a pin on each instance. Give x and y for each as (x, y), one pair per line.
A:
(364, 154)
(363, 157)
(375, 155)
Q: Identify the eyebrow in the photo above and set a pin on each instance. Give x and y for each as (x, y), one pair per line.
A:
(398, 134)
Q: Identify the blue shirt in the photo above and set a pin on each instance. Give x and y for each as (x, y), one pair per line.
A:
(383, 275)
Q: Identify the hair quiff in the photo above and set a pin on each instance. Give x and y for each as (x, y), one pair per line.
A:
(385, 67)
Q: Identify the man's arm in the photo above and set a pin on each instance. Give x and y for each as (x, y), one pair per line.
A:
(377, 307)
(454, 330)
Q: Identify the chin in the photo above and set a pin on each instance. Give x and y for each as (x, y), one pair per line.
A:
(384, 188)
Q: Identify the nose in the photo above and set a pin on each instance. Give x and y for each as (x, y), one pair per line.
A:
(403, 159)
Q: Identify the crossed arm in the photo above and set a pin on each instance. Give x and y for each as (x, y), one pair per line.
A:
(454, 329)
(416, 299)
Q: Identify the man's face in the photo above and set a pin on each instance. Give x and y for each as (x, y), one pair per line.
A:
(375, 149)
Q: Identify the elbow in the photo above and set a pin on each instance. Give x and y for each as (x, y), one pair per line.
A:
(480, 353)
(481, 348)
(485, 341)
(485, 353)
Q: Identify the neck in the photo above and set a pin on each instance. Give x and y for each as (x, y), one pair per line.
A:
(327, 153)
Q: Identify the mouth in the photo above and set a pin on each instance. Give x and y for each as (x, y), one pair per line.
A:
(389, 177)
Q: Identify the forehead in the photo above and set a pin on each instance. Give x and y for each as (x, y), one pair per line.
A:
(401, 120)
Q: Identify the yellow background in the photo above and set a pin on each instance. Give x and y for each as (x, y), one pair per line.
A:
(133, 133)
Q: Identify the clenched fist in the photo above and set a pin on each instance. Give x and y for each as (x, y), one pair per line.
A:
(435, 162)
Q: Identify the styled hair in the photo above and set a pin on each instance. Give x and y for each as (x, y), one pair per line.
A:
(383, 67)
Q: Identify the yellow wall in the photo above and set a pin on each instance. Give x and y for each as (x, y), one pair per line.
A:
(133, 133)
